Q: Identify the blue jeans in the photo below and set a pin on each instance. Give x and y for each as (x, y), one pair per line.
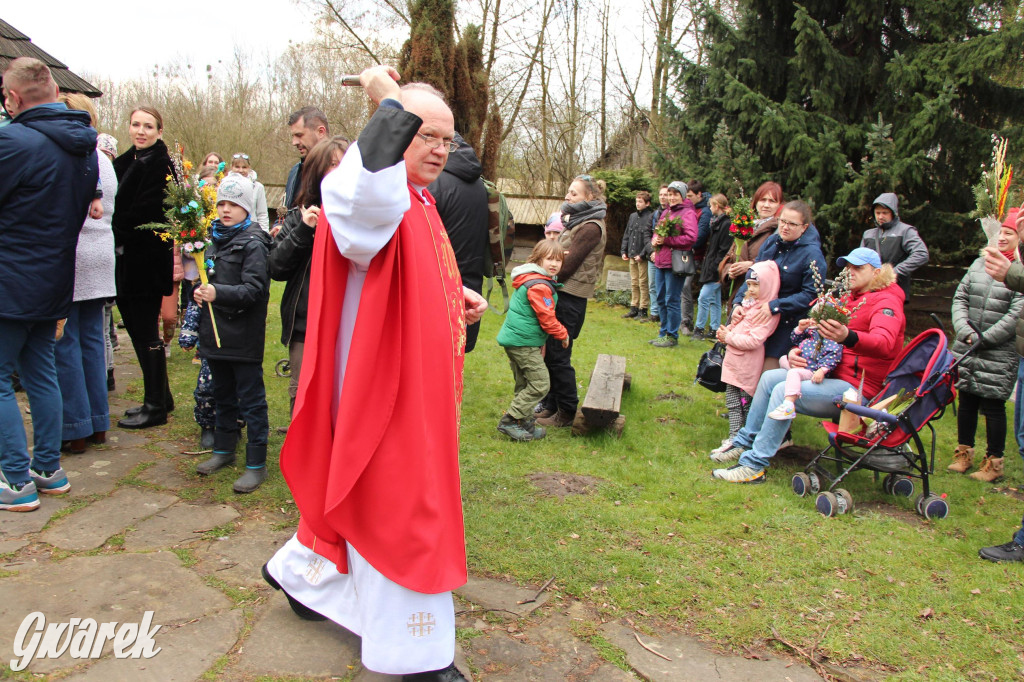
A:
(238, 391)
(82, 371)
(670, 289)
(1018, 537)
(27, 347)
(761, 436)
(709, 306)
(652, 272)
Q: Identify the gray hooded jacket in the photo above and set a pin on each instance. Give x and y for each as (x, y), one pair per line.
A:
(896, 243)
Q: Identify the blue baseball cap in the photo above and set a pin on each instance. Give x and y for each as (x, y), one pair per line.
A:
(860, 256)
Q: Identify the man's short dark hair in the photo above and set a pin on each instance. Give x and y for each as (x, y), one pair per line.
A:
(695, 186)
(311, 117)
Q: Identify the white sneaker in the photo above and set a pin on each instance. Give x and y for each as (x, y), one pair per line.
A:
(740, 474)
(782, 413)
(726, 445)
(730, 455)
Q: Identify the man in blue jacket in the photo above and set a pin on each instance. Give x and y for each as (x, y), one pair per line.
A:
(48, 181)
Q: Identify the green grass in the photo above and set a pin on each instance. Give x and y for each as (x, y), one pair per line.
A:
(661, 542)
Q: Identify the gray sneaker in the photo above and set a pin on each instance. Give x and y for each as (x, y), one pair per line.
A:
(18, 499)
(515, 429)
(54, 484)
(730, 455)
(665, 342)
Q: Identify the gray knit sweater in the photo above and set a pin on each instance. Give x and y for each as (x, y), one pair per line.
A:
(94, 260)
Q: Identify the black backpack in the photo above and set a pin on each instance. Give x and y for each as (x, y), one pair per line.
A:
(709, 369)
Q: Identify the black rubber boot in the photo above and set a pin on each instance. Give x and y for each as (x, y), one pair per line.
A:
(224, 444)
(154, 377)
(206, 439)
(255, 469)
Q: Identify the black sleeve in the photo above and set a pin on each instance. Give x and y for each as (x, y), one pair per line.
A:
(255, 279)
(292, 247)
(386, 137)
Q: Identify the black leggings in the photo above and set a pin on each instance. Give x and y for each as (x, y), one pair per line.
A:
(995, 421)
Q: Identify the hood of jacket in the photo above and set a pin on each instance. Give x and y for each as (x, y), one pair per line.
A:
(891, 202)
(68, 128)
(463, 162)
(527, 271)
(768, 280)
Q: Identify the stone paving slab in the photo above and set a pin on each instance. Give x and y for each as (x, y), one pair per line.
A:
(283, 644)
(16, 524)
(238, 558)
(97, 470)
(11, 546)
(186, 653)
(165, 474)
(501, 598)
(89, 528)
(114, 587)
(178, 525)
(692, 661)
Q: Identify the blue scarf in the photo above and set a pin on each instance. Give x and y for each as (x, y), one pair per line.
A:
(223, 234)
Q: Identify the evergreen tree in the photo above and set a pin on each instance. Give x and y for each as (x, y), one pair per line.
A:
(429, 54)
(801, 85)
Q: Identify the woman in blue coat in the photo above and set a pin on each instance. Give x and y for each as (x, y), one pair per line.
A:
(794, 247)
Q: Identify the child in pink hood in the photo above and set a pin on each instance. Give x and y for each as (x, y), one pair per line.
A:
(744, 341)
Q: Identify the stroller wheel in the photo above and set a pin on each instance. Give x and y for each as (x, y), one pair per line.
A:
(903, 485)
(932, 507)
(801, 484)
(845, 500)
(887, 483)
(815, 483)
(283, 368)
(827, 504)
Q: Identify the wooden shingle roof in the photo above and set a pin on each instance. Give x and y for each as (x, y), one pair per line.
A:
(14, 44)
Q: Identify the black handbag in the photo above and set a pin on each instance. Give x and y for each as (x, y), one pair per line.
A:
(709, 369)
(683, 263)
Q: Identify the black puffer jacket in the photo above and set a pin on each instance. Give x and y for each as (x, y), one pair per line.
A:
(290, 259)
(720, 240)
(242, 280)
(144, 266)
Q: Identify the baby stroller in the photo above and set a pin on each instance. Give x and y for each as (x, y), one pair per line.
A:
(920, 384)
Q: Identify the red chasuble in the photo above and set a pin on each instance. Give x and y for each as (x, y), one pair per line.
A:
(385, 478)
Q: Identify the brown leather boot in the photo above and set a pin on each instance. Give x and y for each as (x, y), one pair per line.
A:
(559, 419)
(991, 470)
(963, 459)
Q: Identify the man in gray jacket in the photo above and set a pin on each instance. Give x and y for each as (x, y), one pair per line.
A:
(896, 243)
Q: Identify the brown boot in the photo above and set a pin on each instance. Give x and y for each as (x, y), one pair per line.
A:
(963, 459)
(559, 419)
(991, 470)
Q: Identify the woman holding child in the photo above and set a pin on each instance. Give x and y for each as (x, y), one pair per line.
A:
(583, 241)
(871, 340)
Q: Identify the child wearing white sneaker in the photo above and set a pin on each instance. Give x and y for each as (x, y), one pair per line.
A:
(744, 339)
(822, 356)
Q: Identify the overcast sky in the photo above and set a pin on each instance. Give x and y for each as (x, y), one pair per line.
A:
(119, 39)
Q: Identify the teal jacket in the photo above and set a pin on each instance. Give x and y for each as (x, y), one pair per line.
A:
(531, 311)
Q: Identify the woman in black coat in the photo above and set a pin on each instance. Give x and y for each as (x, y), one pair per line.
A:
(292, 253)
(143, 270)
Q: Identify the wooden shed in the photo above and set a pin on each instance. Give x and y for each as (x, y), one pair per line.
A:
(14, 44)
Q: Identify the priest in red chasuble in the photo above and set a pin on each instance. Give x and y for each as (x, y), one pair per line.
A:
(371, 455)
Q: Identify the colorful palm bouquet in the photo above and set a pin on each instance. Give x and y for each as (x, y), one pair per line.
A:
(992, 193)
(742, 226)
(671, 227)
(191, 209)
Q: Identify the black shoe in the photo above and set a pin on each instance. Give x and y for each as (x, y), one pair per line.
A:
(206, 440)
(642, 315)
(633, 312)
(698, 335)
(654, 318)
(449, 674)
(1011, 551)
(300, 609)
(154, 407)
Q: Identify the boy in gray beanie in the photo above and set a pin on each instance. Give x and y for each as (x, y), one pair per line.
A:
(237, 295)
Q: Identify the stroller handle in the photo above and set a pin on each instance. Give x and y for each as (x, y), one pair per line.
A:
(863, 411)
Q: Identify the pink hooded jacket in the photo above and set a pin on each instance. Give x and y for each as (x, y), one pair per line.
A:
(744, 356)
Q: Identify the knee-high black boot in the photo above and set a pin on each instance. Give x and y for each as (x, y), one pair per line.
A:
(154, 406)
